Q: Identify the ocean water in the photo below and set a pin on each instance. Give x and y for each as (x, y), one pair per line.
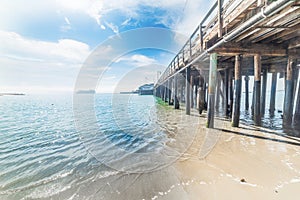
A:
(52, 149)
(45, 155)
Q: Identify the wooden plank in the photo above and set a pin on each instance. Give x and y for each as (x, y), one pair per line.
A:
(240, 9)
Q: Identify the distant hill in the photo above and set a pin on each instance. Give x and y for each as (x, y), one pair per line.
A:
(15, 94)
(86, 92)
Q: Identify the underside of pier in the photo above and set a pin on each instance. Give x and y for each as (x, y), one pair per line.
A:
(238, 38)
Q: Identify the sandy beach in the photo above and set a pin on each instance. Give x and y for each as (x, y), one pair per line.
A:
(246, 163)
(222, 163)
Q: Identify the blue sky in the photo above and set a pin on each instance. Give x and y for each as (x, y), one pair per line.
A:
(45, 43)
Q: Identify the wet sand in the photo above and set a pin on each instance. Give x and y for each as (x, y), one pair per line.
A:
(245, 163)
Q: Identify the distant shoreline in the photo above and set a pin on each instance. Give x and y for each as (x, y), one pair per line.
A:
(12, 94)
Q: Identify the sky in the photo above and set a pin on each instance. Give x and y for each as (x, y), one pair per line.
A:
(46, 44)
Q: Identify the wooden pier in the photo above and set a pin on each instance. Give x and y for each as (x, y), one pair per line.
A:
(235, 39)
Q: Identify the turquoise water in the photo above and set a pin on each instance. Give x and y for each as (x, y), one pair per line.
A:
(48, 149)
(45, 155)
(41, 154)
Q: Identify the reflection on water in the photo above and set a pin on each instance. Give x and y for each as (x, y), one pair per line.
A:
(268, 121)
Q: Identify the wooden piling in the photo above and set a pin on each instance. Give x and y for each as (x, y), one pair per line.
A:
(247, 92)
(205, 96)
(201, 95)
(257, 85)
(192, 91)
(211, 90)
(263, 92)
(170, 91)
(288, 97)
(252, 102)
(297, 109)
(166, 92)
(188, 91)
(273, 94)
(238, 91)
(182, 93)
(226, 91)
(218, 93)
(230, 94)
(176, 101)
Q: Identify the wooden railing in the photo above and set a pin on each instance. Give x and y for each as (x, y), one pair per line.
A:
(205, 31)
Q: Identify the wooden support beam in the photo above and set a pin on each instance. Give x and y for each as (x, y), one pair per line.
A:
(288, 97)
(226, 91)
(166, 92)
(297, 110)
(230, 93)
(176, 101)
(251, 49)
(201, 95)
(263, 92)
(182, 93)
(257, 88)
(211, 90)
(170, 91)
(294, 43)
(237, 91)
(188, 91)
(273, 94)
(192, 91)
(252, 102)
(218, 93)
(247, 92)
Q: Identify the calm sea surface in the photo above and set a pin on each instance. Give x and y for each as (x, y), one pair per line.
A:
(42, 155)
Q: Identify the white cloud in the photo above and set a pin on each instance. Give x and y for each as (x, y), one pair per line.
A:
(67, 21)
(137, 60)
(33, 64)
(64, 50)
(113, 27)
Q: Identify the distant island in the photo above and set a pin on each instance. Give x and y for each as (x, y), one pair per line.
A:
(132, 92)
(12, 94)
(146, 89)
(86, 92)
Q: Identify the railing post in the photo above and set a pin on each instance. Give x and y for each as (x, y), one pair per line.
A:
(190, 48)
(201, 37)
(220, 30)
